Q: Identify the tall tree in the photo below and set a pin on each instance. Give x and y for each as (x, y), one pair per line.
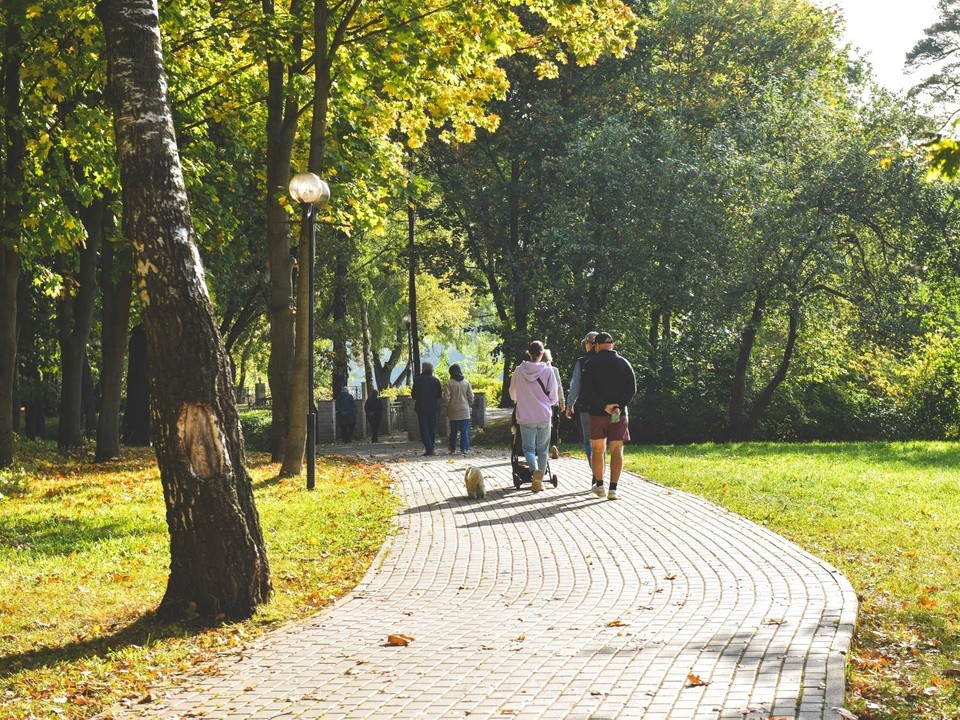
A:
(11, 189)
(218, 561)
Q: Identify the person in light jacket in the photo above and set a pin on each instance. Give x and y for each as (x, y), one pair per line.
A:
(533, 387)
(458, 399)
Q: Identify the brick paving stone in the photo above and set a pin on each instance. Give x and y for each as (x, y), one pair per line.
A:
(554, 605)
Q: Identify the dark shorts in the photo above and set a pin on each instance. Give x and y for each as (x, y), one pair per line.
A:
(601, 428)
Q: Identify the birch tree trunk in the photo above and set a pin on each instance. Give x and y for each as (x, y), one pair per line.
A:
(218, 565)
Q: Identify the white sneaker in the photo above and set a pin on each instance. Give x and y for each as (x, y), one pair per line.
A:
(612, 495)
(537, 481)
(599, 491)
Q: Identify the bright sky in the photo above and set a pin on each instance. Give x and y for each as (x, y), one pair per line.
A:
(884, 31)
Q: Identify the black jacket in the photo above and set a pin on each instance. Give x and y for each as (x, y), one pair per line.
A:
(607, 378)
(427, 393)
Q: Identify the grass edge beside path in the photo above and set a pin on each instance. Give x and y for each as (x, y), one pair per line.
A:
(887, 515)
(83, 564)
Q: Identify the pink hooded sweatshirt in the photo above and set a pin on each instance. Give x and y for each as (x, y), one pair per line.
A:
(534, 403)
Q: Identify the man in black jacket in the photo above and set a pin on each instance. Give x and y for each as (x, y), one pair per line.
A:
(609, 385)
(427, 393)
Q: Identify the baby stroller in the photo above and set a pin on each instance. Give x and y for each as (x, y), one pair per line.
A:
(518, 463)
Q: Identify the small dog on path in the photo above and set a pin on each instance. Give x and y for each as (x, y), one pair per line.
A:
(474, 481)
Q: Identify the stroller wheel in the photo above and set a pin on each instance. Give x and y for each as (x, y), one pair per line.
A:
(554, 481)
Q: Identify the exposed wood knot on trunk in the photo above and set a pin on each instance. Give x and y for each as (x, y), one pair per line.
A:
(201, 441)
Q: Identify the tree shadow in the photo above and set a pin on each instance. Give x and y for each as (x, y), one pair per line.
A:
(144, 632)
(62, 538)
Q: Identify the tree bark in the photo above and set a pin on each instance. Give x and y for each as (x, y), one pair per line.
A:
(76, 322)
(383, 370)
(218, 563)
(9, 274)
(11, 184)
(765, 397)
(300, 403)
(136, 414)
(88, 398)
(116, 283)
(738, 391)
(368, 376)
(282, 118)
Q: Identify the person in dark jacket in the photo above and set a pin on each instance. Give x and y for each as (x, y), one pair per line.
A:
(373, 409)
(609, 385)
(427, 394)
(346, 410)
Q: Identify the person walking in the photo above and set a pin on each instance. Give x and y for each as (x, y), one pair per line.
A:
(557, 409)
(533, 387)
(427, 394)
(458, 399)
(373, 409)
(346, 409)
(608, 386)
(574, 401)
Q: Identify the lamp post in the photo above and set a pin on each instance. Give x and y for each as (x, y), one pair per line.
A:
(406, 324)
(312, 193)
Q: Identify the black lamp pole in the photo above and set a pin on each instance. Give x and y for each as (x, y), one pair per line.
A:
(406, 322)
(312, 193)
(310, 216)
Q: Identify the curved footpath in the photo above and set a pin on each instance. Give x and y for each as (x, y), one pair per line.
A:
(555, 605)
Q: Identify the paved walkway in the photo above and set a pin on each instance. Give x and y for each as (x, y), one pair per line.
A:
(556, 605)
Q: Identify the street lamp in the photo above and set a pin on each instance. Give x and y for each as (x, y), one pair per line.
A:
(407, 323)
(312, 193)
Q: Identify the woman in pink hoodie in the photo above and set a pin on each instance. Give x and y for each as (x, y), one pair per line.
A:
(533, 387)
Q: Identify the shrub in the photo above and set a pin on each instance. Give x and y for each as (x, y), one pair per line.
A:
(256, 429)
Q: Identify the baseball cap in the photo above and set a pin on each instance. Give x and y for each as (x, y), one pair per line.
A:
(590, 336)
(603, 337)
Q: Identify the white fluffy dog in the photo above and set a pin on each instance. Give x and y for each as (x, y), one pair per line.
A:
(474, 481)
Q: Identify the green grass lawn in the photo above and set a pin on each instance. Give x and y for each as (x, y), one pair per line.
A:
(83, 562)
(888, 516)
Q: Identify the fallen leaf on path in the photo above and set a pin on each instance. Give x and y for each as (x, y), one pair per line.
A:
(695, 681)
(616, 623)
(399, 639)
(521, 638)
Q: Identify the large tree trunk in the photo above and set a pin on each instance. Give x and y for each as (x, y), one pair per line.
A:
(300, 403)
(368, 375)
(116, 284)
(765, 397)
(136, 413)
(30, 379)
(218, 563)
(10, 187)
(9, 274)
(88, 399)
(383, 370)
(76, 322)
(738, 391)
(281, 131)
